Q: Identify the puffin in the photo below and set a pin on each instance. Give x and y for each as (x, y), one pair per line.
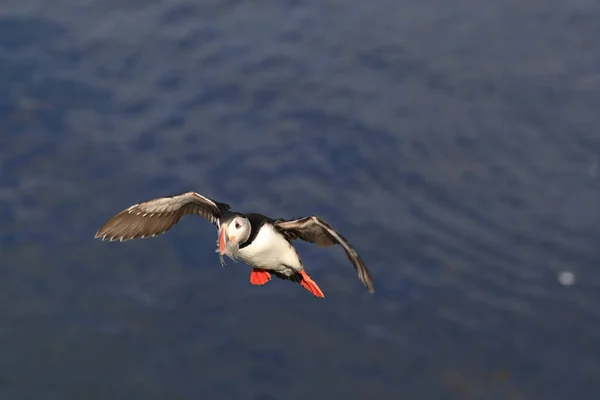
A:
(263, 243)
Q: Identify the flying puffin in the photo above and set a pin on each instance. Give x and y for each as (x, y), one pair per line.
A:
(263, 243)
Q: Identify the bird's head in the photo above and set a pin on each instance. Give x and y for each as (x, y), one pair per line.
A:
(232, 233)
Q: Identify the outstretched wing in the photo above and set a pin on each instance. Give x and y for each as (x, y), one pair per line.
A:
(316, 230)
(153, 217)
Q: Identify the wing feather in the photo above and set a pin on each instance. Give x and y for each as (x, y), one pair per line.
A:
(316, 230)
(154, 217)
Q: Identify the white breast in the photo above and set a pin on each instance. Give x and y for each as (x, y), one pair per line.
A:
(270, 250)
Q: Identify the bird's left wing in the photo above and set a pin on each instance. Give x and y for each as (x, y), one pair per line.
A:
(316, 230)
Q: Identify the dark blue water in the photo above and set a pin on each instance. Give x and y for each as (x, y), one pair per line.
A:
(455, 144)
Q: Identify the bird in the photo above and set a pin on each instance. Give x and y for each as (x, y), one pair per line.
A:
(263, 243)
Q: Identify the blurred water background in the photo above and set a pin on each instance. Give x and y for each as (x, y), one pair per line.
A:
(455, 143)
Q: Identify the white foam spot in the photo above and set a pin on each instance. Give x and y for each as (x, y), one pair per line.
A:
(566, 278)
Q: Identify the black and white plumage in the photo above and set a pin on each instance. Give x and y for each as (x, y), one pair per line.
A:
(261, 242)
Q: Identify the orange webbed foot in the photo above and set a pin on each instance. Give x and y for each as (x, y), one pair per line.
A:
(259, 277)
(310, 285)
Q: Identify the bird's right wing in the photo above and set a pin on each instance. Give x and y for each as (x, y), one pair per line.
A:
(154, 217)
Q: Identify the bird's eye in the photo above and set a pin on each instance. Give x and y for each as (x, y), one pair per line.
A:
(237, 225)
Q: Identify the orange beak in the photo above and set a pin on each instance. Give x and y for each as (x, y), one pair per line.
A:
(222, 239)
